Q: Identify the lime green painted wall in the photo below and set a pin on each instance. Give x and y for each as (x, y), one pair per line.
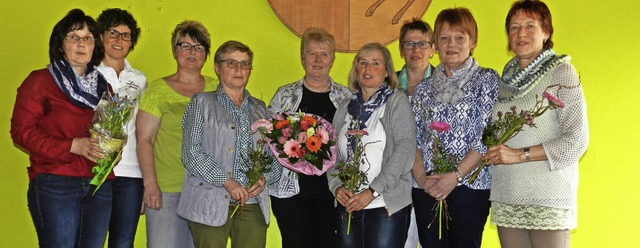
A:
(597, 34)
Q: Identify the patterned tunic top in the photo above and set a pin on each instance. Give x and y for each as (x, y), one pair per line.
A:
(465, 101)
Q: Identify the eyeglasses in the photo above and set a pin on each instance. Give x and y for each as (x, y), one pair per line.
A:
(72, 38)
(187, 47)
(232, 64)
(411, 44)
(115, 34)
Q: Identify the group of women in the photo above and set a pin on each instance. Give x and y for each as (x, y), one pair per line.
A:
(189, 194)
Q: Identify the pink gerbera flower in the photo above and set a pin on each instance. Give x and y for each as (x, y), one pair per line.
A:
(440, 126)
(357, 133)
(553, 99)
(323, 135)
(292, 148)
(262, 126)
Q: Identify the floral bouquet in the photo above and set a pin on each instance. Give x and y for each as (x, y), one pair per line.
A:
(349, 173)
(443, 162)
(259, 159)
(303, 143)
(510, 123)
(108, 126)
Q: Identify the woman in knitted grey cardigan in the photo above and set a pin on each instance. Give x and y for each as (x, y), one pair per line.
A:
(535, 174)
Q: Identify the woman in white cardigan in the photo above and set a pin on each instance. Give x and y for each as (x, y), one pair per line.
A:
(535, 174)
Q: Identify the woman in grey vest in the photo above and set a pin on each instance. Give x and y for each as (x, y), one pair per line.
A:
(217, 139)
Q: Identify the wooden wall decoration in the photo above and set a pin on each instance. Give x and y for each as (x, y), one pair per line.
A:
(353, 23)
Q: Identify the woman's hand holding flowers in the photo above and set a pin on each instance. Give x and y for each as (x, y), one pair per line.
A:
(257, 188)
(343, 195)
(359, 201)
(353, 202)
(444, 184)
(425, 182)
(87, 147)
(237, 191)
(502, 154)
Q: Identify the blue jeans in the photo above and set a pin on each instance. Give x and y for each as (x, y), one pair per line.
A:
(165, 229)
(65, 213)
(373, 228)
(125, 213)
(468, 210)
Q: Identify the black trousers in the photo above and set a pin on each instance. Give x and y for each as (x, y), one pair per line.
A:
(305, 222)
(468, 210)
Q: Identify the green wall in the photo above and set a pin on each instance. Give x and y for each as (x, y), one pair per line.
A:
(597, 34)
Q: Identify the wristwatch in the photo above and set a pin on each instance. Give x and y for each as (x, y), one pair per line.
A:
(527, 154)
(375, 194)
(458, 176)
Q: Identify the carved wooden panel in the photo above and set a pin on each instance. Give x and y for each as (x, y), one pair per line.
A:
(353, 23)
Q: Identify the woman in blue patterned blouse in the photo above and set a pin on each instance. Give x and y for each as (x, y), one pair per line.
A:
(462, 94)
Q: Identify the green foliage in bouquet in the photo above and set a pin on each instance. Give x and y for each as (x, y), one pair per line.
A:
(510, 123)
(349, 173)
(258, 159)
(108, 126)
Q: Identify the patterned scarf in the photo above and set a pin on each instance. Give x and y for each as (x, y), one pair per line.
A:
(361, 110)
(516, 83)
(83, 91)
(449, 89)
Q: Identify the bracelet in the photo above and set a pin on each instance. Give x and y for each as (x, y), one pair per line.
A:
(458, 176)
(527, 154)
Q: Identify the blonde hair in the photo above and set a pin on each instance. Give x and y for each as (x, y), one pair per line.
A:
(391, 79)
(317, 35)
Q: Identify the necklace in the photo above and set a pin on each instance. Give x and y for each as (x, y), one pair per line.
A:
(323, 90)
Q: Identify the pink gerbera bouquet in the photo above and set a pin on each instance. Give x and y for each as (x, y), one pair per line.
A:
(303, 143)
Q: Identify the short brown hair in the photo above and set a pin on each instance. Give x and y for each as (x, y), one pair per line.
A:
(460, 18)
(418, 25)
(195, 30)
(229, 47)
(536, 9)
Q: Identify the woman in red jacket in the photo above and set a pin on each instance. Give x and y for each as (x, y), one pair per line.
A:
(51, 117)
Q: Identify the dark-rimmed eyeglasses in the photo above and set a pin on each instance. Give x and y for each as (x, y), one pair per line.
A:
(187, 47)
(116, 34)
(411, 44)
(72, 38)
(232, 64)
